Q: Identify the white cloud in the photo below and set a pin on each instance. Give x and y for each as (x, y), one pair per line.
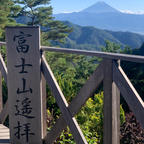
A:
(66, 12)
(69, 11)
(132, 12)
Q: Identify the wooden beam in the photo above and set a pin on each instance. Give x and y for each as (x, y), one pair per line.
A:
(44, 109)
(4, 113)
(111, 104)
(3, 68)
(107, 55)
(4, 135)
(2, 43)
(62, 103)
(85, 92)
(129, 93)
(115, 114)
(115, 56)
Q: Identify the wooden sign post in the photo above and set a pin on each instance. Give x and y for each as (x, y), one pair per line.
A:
(24, 86)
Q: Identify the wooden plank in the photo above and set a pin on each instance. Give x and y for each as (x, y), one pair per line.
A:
(129, 93)
(44, 108)
(2, 43)
(4, 132)
(62, 103)
(4, 135)
(111, 110)
(4, 113)
(108, 102)
(107, 55)
(115, 56)
(24, 87)
(115, 114)
(1, 98)
(3, 68)
(85, 92)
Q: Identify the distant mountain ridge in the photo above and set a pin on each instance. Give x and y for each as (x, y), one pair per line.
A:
(90, 38)
(103, 16)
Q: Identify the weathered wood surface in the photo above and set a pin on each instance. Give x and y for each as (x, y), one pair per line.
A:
(4, 135)
(4, 113)
(44, 108)
(129, 93)
(85, 92)
(115, 114)
(115, 56)
(107, 55)
(111, 110)
(2, 43)
(24, 87)
(62, 103)
(3, 68)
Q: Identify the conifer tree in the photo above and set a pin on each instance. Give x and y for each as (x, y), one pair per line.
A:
(39, 13)
(7, 10)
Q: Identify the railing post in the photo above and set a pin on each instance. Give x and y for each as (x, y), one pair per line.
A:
(44, 109)
(24, 84)
(111, 106)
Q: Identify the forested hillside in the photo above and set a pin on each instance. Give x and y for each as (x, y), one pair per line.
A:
(91, 38)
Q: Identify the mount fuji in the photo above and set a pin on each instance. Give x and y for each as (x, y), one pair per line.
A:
(103, 16)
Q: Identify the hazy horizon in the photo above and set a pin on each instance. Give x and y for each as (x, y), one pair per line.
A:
(128, 6)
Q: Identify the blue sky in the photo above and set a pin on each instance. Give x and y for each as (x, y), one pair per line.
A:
(60, 6)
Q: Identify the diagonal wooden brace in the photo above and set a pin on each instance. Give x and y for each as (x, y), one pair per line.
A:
(129, 93)
(86, 91)
(4, 113)
(3, 68)
(62, 103)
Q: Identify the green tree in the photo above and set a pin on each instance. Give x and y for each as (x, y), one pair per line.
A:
(39, 13)
(135, 71)
(7, 10)
(111, 47)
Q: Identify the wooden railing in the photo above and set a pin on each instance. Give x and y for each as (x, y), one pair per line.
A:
(3, 72)
(114, 81)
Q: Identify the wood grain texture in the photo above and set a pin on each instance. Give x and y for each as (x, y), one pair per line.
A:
(44, 109)
(3, 68)
(4, 135)
(2, 43)
(85, 92)
(114, 56)
(129, 93)
(24, 87)
(4, 113)
(115, 114)
(107, 84)
(107, 55)
(62, 103)
(111, 106)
